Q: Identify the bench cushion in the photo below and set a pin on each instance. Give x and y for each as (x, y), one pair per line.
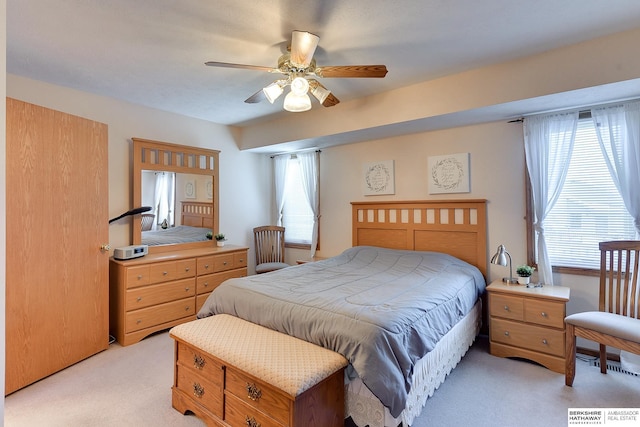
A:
(616, 325)
(288, 363)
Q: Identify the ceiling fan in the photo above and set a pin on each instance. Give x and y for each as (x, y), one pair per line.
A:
(299, 69)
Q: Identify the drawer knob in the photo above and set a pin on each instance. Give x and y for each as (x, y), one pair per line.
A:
(506, 333)
(506, 308)
(544, 341)
(206, 266)
(253, 392)
(543, 314)
(198, 390)
(251, 422)
(186, 308)
(198, 361)
(138, 321)
(187, 269)
(139, 299)
(206, 284)
(186, 289)
(139, 276)
(224, 263)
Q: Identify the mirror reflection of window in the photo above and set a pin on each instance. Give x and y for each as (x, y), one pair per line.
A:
(164, 199)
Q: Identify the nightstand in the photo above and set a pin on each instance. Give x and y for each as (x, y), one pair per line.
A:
(528, 323)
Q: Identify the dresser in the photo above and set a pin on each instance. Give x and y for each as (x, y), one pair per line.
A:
(159, 291)
(528, 323)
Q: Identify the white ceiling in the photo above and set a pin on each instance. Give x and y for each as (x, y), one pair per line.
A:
(152, 52)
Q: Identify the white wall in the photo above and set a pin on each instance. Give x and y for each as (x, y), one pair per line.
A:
(244, 191)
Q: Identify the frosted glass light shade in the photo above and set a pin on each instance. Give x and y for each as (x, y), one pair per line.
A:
(297, 103)
(272, 92)
(299, 86)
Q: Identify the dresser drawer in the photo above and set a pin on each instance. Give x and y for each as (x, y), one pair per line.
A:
(200, 389)
(546, 313)
(156, 294)
(239, 259)
(266, 398)
(509, 307)
(162, 272)
(209, 282)
(155, 315)
(238, 413)
(137, 276)
(185, 268)
(536, 338)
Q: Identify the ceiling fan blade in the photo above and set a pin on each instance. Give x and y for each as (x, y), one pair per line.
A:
(330, 101)
(352, 71)
(257, 97)
(303, 46)
(247, 67)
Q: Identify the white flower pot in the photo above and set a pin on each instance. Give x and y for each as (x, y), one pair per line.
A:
(523, 280)
(220, 243)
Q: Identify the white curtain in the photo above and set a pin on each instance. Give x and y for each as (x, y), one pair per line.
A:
(548, 143)
(310, 170)
(618, 130)
(164, 203)
(280, 165)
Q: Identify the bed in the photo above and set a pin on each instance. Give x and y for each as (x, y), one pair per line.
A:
(404, 338)
(196, 219)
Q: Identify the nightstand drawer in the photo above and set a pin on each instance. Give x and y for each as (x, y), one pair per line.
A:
(509, 307)
(536, 338)
(546, 313)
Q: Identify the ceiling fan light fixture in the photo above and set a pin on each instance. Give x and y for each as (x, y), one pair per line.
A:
(273, 91)
(297, 103)
(299, 86)
(320, 93)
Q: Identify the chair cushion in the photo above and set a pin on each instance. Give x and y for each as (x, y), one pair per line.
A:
(265, 267)
(616, 325)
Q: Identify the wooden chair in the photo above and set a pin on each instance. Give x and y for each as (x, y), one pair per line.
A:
(269, 242)
(147, 221)
(617, 323)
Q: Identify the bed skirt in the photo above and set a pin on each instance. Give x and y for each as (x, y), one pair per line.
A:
(430, 371)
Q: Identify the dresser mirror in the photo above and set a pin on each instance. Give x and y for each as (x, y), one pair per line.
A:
(180, 184)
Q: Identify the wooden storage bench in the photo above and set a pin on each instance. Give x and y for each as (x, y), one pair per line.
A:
(230, 372)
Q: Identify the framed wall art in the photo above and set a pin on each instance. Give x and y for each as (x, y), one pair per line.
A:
(378, 178)
(190, 189)
(449, 174)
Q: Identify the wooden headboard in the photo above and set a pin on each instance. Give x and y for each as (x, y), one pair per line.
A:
(456, 227)
(197, 214)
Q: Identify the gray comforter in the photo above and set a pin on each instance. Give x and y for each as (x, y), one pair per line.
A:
(382, 309)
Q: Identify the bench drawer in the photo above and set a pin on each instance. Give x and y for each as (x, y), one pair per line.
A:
(258, 395)
(238, 413)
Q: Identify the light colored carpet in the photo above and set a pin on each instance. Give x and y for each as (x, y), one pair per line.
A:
(131, 386)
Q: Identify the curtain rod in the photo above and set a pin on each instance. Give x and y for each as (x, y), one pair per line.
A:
(317, 150)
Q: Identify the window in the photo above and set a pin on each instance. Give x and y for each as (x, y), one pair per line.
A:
(297, 178)
(297, 216)
(589, 208)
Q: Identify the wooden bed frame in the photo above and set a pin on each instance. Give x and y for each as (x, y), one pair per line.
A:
(456, 227)
(197, 214)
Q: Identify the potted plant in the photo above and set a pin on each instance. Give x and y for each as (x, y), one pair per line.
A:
(220, 239)
(209, 235)
(524, 273)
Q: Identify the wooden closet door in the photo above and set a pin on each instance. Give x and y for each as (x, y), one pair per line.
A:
(57, 219)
